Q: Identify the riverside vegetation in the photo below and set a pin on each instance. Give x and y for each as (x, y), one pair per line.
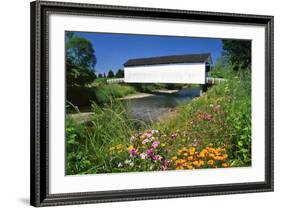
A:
(212, 131)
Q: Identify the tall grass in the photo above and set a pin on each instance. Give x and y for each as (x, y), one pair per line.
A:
(88, 143)
(106, 93)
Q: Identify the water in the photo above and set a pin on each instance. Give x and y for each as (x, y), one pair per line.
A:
(155, 107)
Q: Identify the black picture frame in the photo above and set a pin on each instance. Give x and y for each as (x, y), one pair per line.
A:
(39, 176)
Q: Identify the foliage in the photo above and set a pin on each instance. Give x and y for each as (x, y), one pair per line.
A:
(110, 74)
(238, 52)
(76, 75)
(77, 154)
(119, 73)
(80, 60)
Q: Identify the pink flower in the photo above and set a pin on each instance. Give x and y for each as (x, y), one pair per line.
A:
(155, 144)
(133, 151)
(206, 116)
(143, 156)
(165, 164)
(156, 157)
(148, 135)
(149, 152)
(145, 141)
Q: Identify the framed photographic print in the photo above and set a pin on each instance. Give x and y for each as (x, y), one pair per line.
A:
(131, 103)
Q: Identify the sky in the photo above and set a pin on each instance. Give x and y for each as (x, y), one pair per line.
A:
(113, 50)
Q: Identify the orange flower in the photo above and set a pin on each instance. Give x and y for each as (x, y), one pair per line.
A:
(190, 158)
(180, 168)
(190, 167)
(174, 158)
(225, 165)
(210, 162)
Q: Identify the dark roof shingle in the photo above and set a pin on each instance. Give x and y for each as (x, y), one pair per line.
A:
(187, 58)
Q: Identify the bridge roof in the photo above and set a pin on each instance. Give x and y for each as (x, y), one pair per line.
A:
(186, 58)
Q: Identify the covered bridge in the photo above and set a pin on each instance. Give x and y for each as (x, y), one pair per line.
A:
(185, 69)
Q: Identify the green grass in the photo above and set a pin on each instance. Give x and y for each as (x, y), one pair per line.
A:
(106, 93)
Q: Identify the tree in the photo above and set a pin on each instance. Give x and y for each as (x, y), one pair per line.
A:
(110, 74)
(238, 52)
(80, 60)
(119, 73)
(100, 75)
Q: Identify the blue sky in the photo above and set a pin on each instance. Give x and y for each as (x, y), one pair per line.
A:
(113, 50)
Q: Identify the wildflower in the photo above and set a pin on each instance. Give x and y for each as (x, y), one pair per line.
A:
(132, 164)
(155, 144)
(210, 162)
(225, 156)
(192, 150)
(143, 156)
(163, 145)
(149, 152)
(130, 148)
(190, 167)
(156, 157)
(225, 165)
(148, 135)
(127, 161)
(154, 131)
(180, 168)
(174, 135)
(119, 146)
(179, 152)
(190, 158)
(174, 158)
(133, 152)
(132, 139)
(206, 116)
(120, 165)
(145, 141)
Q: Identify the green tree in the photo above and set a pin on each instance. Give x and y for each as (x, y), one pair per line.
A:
(80, 60)
(119, 73)
(110, 74)
(238, 52)
(100, 75)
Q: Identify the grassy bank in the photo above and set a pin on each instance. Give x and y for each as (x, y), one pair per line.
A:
(212, 131)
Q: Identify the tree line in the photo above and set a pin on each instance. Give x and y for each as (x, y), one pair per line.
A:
(110, 74)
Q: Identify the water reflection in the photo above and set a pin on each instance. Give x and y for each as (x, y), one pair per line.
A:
(154, 107)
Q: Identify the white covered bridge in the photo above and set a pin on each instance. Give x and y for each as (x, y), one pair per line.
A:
(178, 69)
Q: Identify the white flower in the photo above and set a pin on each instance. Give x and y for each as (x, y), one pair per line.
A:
(127, 161)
